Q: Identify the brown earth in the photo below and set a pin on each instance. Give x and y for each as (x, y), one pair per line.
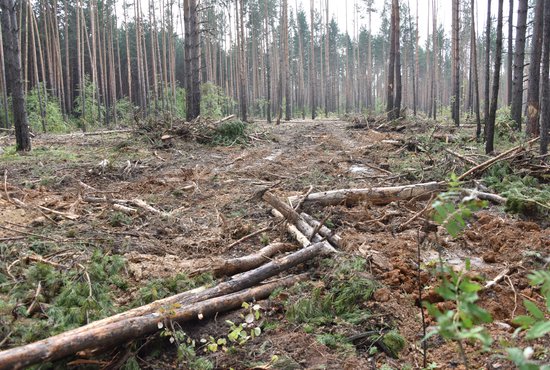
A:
(209, 194)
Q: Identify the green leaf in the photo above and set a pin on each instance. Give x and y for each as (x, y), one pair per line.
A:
(257, 331)
(469, 287)
(533, 310)
(213, 347)
(538, 330)
(524, 320)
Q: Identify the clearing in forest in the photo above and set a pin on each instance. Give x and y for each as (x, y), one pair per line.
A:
(96, 225)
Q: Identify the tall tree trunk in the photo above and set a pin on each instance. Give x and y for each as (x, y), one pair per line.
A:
(390, 96)
(35, 69)
(487, 92)
(14, 80)
(545, 111)
(489, 145)
(242, 66)
(435, 64)
(455, 98)
(267, 63)
(327, 61)
(3, 84)
(519, 61)
(288, 99)
(128, 56)
(473, 46)
(397, 47)
(192, 59)
(312, 64)
(510, 52)
(533, 104)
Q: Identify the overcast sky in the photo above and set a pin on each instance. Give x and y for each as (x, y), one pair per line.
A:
(337, 8)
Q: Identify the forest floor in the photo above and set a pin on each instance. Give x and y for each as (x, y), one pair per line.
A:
(211, 195)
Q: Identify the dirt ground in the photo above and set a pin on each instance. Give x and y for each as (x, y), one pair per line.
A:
(211, 196)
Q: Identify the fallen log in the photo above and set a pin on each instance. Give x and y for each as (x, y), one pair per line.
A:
(294, 217)
(483, 166)
(324, 231)
(300, 237)
(69, 343)
(243, 281)
(228, 267)
(379, 196)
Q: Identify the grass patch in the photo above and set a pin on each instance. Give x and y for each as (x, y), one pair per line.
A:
(346, 289)
(66, 299)
(162, 288)
(337, 342)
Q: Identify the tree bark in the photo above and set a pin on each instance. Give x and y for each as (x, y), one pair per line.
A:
(390, 97)
(398, 81)
(312, 64)
(73, 341)
(519, 61)
(545, 103)
(382, 195)
(242, 66)
(533, 104)
(475, 73)
(192, 56)
(455, 98)
(14, 81)
(487, 88)
(489, 144)
(510, 52)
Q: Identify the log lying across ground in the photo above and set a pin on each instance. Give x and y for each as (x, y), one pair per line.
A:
(379, 196)
(296, 219)
(66, 344)
(142, 320)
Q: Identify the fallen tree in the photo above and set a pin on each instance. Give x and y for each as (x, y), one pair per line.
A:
(379, 196)
(145, 319)
(69, 343)
(286, 211)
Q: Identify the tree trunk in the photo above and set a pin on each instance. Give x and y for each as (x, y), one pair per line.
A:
(3, 83)
(312, 64)
(455, 98)
(288, 112)
(14, 81)
(380, 196)
(267, 64)
(327, 61)
(519, 60)
(242, 67)
(476, 74)
(533, 104)
(510, 52)
(545, 111)
(487, 91)
(398, 81)
(391, 64)
(489, 145)
(71, 342)
(192, 59)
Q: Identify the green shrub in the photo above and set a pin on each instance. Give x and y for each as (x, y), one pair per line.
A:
(54, 121)
(214, 103)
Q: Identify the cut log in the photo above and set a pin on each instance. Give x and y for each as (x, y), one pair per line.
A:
(234, 266)
(69, 343)
(300, 237)
(243, 281)
(379, 196)
(324, 231)
(290, 214)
